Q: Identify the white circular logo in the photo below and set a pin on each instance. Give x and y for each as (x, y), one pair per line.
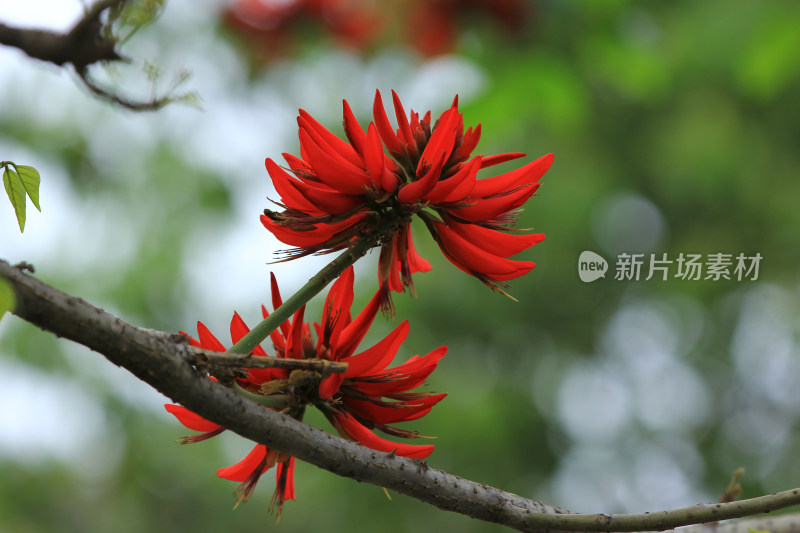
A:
(591, 266)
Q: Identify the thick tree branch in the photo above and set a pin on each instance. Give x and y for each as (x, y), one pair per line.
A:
(160, 359)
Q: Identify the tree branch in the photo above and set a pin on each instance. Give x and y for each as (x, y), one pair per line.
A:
(785, 523)
(160, 359)
(85, 44)
(82, 46)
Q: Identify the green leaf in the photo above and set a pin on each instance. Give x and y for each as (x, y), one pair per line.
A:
(30, 180)
(8, 300)
(19, 183)
(751, 530)
(16, 193)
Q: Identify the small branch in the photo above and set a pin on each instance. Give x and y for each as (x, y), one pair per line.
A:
(200, 357)
(148, 105)
(82, 46)
(663, 520)
(785, 523)
(87, 43)
(156, 358)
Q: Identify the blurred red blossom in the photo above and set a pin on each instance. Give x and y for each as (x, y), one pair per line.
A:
(273, 27)
(433, 26)
(368, 396)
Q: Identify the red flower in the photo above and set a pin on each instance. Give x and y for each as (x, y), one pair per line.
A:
(339, 191)
(367, 397)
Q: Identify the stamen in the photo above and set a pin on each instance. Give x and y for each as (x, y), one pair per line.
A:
(201, 437)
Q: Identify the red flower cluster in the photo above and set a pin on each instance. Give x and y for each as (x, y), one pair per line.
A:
(367, 397)
(338, 191)
(272, 26)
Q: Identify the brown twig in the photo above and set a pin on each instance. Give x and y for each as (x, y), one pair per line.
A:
(81, 46)
(200, 357)
(84, 45)
(134, 105)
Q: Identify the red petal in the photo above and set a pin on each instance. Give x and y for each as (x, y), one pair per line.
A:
(412, 192)
(301, 169)
(287, 492)
(475, 260)
(339, 146)
(324, 201)
(332, 171)
(244, 468)
(377, 357)
(190, 419)
(469, 142)
(290, 196)
(353, 130)
(490, 208)
(277, 301)
(374, 156)
(416, 261)
(336, 314)
(530, 173)
(397, 412)
(388, 135)
(318, 235)
(496, 242)
(349, 159)
(294, 342)
(314, 199)
(353, 334)
(330, 385)
(444, 136)
(411, 375)
(239, 329)
(350, 426)
(500, 158)
(389, 180)
(207, 340)
(457, 186)
(402, 122)
(420, 137)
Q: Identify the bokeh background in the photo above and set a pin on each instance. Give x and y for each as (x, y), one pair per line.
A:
(675, 128)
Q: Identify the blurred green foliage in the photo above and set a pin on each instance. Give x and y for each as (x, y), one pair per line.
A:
(675, 128)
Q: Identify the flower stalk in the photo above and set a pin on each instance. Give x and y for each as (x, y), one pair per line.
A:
(314, 286)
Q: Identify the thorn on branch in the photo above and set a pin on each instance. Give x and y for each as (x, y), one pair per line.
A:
(178, 338)
(24, 266)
